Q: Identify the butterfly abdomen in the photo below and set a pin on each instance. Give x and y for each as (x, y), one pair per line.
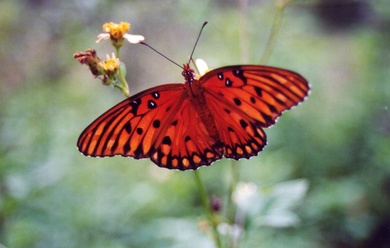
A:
(196, 95)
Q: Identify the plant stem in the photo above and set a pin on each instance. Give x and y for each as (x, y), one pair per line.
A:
(230, 211)
(207, 207)
(124, 86)
(244, 39)
(273, 36)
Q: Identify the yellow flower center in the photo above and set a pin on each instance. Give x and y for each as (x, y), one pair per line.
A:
(111, 65)
(116, 30)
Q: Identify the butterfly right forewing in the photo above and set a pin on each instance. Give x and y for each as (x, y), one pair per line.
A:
(244, 99)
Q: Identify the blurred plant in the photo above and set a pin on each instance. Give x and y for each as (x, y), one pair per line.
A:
(264, 206)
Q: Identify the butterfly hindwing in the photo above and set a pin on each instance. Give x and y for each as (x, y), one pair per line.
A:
(186, 143)
(242, 136)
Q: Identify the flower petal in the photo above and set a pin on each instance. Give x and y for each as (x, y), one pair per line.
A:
(133, 38)
(202, 66)
(102, 36)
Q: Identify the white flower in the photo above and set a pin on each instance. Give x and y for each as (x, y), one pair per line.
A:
(117, 32)
(201, 66)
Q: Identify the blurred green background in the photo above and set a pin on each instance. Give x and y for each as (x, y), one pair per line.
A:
(338, 139)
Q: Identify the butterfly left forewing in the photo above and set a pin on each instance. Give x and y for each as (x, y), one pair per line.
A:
(160, 124)
(130, 127)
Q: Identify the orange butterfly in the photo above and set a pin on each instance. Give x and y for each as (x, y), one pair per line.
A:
(184, 126)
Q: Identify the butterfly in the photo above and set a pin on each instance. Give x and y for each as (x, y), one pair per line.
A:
(187, 125)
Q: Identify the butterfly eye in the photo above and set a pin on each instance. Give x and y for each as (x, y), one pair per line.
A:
(220, 76)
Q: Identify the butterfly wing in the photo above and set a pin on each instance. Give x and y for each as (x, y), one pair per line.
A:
(244, 99)
(159, 123)
(128, 128)
(163, 124)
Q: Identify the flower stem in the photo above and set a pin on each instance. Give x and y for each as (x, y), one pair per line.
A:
(207, 207)
(123, 86)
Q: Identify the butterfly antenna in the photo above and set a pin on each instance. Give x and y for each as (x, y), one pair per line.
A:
(143, 43)
(196, 43)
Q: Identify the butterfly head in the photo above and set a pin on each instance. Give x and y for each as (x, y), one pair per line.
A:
(188, 74)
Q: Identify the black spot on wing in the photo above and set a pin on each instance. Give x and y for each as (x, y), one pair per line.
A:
(152, 104)
(156, 123)
(240, 74)
(243, 123)
(228, 82)
(237, 101)
(139, 152)
(167, 140)
(273, 109)
(126, 148)
(127, 127)
(269, 120)
(134, 105)
(156, 95)
(258, 91)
